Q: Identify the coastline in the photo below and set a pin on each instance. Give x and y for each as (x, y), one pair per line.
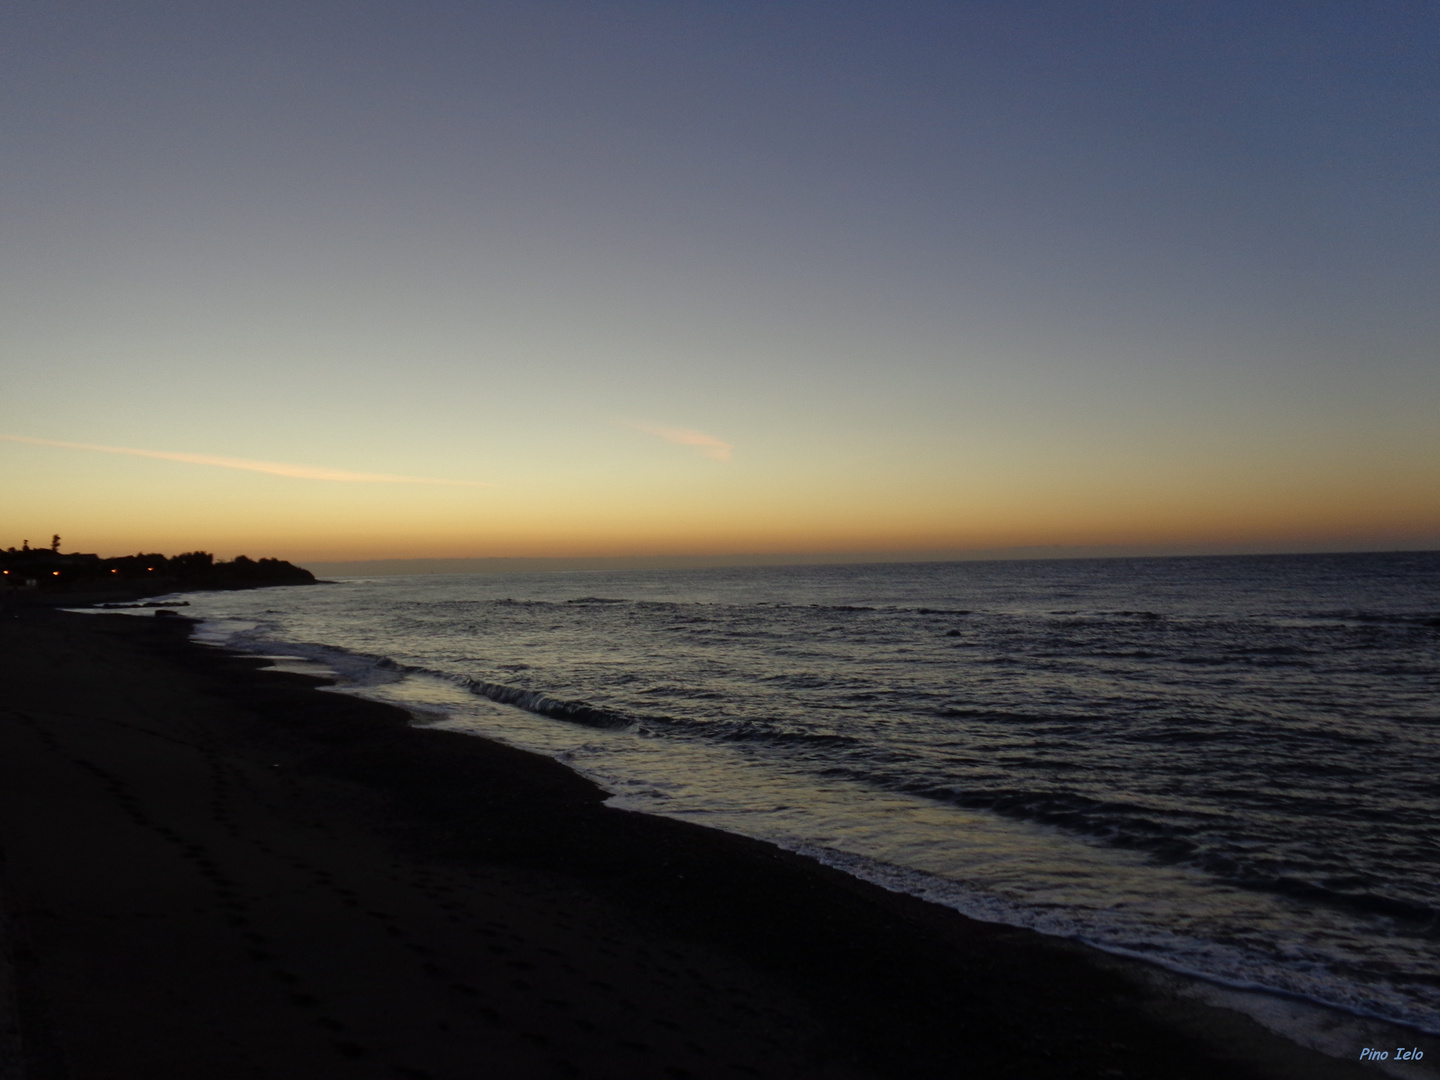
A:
(218, 870)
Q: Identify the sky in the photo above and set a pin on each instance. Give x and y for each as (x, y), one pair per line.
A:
(372, 280)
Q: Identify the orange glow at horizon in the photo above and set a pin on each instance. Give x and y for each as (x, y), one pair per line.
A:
(699, 299)
(362, 531)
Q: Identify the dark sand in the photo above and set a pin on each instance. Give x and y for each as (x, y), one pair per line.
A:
(211, 871)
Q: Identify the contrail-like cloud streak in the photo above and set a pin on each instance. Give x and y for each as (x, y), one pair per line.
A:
(274, 468)
(707, 445)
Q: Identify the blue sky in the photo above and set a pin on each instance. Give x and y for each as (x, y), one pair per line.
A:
(939, 276)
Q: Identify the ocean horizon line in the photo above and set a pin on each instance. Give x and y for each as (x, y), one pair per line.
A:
(540, 564)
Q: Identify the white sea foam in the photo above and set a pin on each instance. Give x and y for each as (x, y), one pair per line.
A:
(1091, 752)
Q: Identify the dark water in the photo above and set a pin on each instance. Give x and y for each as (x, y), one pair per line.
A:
(1228, 765)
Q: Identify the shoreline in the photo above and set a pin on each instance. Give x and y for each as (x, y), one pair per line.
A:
(784, 966)
(1308, 1019)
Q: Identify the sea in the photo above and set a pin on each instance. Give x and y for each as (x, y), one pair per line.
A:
(1226, 766)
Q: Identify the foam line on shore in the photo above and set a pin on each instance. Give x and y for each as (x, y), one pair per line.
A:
(920, 986)
(373, 677)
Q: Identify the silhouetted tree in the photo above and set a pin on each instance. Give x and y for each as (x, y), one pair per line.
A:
(193, 565)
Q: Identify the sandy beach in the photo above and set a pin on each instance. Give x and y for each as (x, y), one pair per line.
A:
(214, 870)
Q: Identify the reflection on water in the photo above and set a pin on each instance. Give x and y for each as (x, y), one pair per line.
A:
(1227, 765)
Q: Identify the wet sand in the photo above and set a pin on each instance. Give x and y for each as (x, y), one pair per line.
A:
(211, 870)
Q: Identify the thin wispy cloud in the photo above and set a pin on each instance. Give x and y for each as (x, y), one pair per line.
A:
(705, 445)
(274, 468)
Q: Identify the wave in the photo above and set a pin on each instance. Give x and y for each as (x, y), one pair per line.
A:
(575, 712)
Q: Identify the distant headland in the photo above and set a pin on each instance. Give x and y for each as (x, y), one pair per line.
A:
(49, 575)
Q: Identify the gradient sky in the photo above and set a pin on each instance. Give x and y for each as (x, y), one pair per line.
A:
(368, 279)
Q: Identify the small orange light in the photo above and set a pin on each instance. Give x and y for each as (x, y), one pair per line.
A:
(149, 568)
(55, 572)
(112, 571)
